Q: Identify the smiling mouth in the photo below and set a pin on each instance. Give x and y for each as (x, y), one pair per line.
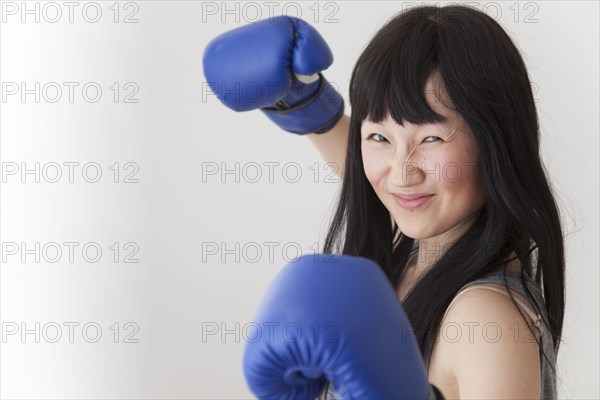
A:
(414, 203)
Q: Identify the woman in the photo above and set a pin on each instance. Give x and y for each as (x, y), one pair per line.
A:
(442, 110)
(442, 105)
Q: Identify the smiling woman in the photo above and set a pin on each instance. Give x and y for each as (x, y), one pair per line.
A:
(443, 159)
(443, 191)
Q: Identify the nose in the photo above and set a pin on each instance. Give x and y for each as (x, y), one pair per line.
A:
(405, 170)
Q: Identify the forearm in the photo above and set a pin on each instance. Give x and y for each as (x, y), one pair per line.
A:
(333, 143)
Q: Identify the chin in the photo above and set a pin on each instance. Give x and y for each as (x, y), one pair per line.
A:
(416, 234)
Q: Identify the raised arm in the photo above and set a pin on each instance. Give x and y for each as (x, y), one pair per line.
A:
(332, 144)
(281, 59)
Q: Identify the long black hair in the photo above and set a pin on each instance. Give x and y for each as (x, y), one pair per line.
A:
(486, 80)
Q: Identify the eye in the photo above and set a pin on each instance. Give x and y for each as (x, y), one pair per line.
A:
(376, 134)
(371, 136)
(431, 137)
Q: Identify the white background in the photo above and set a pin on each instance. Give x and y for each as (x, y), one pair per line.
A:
(168, 220)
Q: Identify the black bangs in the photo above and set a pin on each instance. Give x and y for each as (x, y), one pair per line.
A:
(392, 71)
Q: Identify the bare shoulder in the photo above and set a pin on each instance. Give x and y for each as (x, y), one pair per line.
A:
(487, 348)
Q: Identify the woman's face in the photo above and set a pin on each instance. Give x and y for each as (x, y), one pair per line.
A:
(438, 159)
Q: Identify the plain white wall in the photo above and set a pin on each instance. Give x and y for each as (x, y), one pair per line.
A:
(186, 226)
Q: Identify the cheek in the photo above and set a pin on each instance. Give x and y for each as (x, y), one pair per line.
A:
(373, 164)
(459, 171)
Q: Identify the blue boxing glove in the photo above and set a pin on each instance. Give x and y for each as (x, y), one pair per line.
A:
(275, 65)
(333, 318)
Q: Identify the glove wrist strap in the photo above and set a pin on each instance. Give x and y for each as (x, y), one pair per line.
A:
(318, 114)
